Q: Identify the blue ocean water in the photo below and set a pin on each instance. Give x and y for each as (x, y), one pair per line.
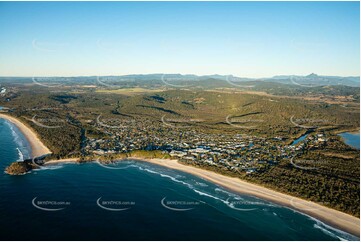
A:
(135, 201)
(351, 139)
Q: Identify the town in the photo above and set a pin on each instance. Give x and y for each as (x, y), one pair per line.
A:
(234, 152)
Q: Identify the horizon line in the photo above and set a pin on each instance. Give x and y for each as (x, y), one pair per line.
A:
(145, 74)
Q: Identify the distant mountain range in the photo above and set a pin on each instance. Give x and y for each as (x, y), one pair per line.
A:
(316, 80)
(307, 81)
(312, 80)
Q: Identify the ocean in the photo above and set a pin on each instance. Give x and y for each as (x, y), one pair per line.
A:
(135, 200)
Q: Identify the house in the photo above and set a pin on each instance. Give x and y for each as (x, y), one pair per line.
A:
(99, 152)
(250, 170)
(177, 153)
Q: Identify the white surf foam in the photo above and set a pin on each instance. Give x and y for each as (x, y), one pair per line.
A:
(165, 176)
(52, 167)
(23, 150)
(21, 155)
(201, 184)
(329, 230)
(211, 196)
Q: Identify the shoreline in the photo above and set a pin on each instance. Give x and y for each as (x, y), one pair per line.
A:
(336, 219)
(37, 147)
(351, 131)
(332, 217)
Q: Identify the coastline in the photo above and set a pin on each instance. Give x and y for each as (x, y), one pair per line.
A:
(330, 216)
(37, 147)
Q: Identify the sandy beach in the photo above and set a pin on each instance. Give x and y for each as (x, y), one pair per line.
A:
(330, 216)
(37, 147)
(61, 161)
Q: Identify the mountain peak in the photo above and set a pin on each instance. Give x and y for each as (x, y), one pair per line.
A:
(312, 75)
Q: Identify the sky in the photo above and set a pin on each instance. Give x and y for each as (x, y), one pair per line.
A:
(246, 39)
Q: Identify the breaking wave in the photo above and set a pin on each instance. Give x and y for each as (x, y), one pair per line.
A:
(197, 186)
(165, 176)
(329, 230)
(21, 155)
(23, 147)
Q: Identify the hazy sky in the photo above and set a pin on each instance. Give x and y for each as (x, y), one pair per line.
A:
(248, 39)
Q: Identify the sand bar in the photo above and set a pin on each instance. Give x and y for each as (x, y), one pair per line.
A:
(37, 147)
